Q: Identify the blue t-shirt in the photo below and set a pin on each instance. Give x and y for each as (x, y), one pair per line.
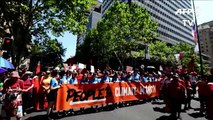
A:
(93, 81)
(63, 80)
(116, 79)
(105, 79)
(136, 76)
(53, 82)
(129, 78)
(73, 81)
(145, 79)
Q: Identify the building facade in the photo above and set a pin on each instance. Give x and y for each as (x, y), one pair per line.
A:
(93, 17)
(171, 27)
(206, 39)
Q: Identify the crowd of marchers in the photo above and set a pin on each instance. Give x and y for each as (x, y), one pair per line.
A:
(20, 91)
(180, 89)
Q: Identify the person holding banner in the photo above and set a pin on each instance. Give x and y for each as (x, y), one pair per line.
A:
(123, 77)
(73, 79)
(144, 78)
(69, 75)
(84, 79)
(52, 93)
(63, 78)
(136, 75)
(94, 79)
(129, 77)
(116, 78)
(105, 78)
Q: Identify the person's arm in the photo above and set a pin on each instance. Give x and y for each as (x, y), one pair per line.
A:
(52, 82)
(29, 88)
(5, 88)
(53, 88)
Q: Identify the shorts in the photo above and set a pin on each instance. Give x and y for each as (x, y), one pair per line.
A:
(52, 95)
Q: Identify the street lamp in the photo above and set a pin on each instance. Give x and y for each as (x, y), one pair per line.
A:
(147, 56)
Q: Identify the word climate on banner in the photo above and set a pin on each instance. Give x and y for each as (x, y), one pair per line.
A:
(86, 95)
(129, 91)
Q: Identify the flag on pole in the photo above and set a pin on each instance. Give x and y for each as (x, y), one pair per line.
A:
(194, 33)
(196, 49)
(38, 68)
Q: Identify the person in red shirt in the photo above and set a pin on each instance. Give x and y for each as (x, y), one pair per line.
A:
(176, 94)
(37, 91)
(202, 84)
(28, 91)
(79, 76)
(209, 103)
(13, 88)
(188, 92)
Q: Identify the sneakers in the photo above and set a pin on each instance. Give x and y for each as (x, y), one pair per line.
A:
(24, 114)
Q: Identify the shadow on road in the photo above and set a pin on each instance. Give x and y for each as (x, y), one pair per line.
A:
(164, 118)
(196, 109)
(196, 115)
(38, 117)
(157, 103)
(157, 109)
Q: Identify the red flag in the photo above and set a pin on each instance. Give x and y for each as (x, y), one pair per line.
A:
(38, 68)
(194, 33)
(191, 64)
(65, 66)
(181, 55)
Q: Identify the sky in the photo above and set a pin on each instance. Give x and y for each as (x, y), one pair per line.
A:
(203, 10)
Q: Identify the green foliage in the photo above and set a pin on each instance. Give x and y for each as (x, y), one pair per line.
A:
(161, 51)
(27, 19)
(189, 55)
(120, 32)
(49, 53)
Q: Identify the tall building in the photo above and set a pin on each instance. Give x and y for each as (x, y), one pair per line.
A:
(206, 39)
(171, 27)
(93, 17)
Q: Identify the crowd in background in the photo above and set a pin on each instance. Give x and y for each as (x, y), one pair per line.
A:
(39, 91)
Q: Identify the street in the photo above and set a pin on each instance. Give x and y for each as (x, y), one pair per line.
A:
(142, 111)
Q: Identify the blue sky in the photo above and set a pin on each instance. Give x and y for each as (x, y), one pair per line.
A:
(203, 8)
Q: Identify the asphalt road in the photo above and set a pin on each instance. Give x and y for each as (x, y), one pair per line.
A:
(141, 111)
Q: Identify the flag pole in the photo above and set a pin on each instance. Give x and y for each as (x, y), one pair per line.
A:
(198, 40)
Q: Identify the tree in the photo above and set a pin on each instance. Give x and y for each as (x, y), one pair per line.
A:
(187, 50)
(49, 53)
(161, 51)
(27, 19)
(122, 28)
(190, 57)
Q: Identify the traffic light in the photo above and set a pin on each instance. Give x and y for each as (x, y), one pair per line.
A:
(7, 44)
(6, 55)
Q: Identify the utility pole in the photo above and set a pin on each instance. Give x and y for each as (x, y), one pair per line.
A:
(198, 39)
(129, 2)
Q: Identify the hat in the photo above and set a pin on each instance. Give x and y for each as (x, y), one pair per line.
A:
(27, 73)
(57, 68)
(14, 74)
(194, 73)
(48, 72)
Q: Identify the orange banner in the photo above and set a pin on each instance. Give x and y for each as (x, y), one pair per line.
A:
(86, 95)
